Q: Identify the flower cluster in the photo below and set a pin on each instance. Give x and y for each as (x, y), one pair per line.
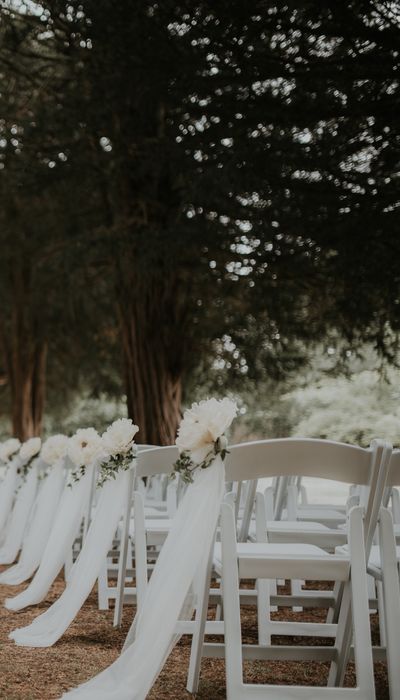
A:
(83, 448)
(29, 450)
(114, 450)
(201, 435)
(119, 449)
(9, 448)
(54, 449)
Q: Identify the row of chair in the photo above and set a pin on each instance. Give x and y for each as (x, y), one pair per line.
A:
(335, 544)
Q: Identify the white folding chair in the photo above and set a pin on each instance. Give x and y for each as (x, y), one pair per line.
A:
(146, 531)
(295, 457)
(383, 564)
(121, 545)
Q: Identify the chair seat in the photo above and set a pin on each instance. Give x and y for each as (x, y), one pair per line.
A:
(293, 532)
(316, 514)
(375, 556)
(152, 512)
(296, 525)
(156, 526)
(289, 527)
(295, 561)
(266, 549)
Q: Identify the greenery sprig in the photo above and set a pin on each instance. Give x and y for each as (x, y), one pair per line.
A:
(114, 464)
(24, 469)
(76, 475)
(185, 467)
(108, 469)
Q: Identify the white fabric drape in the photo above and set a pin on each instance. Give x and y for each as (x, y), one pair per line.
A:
(46, 629)
(71, 508)
(24, 500)
(153, 633)
(44, 512)
(8, 488)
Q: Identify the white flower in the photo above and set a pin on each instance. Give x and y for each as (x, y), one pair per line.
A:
(30, 448)
(118, 438)
(54, 448)
(203, 424)
(84, 447)
(8, 448)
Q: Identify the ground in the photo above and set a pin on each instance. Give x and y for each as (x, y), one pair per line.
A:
(91, 643)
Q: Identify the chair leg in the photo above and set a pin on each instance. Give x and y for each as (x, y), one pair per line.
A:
(371, 590)
(382, 614)
(343, 640)
(333, 613)
(354, 612)
(233, 634)
(102, 585)
(391, 598)
(273, 589)
(360, 606)
(123, 553)
(296, 586)
(263, 611)
(141, 560)
(196, 651)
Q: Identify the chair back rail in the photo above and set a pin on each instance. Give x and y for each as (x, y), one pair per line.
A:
(394, 470)
(156, 460)
(299, 456)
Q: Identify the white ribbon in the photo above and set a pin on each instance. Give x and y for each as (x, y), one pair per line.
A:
(19, 518)
(44, 512)
(183, 557)
(46, 629)
(71, 508)
(8, 488)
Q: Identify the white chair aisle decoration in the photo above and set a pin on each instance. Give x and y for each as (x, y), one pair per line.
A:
(117, 459)
(10, 461)
(262, 560)
(178, 575)
(24, 499)
(51, 483)
(159, 498)
(83, 450)
(383, 565)
(149, 529)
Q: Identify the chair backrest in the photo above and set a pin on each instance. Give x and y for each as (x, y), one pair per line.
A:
(281, 457)
(320, 459)
(156, 460)
(394, 470)
(300, 456)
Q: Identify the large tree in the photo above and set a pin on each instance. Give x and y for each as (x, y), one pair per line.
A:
(243, 165)
(46, 316)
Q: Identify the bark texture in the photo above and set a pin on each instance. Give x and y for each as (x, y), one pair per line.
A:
(25, 355)
(151, 311)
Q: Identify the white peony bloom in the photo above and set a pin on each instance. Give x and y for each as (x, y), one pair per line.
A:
(84, 447)
(9, 448)
(30, 449)
(54, 448)
(118, 438)
(203, 424)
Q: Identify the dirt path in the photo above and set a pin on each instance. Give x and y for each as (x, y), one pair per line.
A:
(91, 644)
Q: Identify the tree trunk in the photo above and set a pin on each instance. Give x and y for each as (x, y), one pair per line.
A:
(25, 355)
(28, 392)
(153, 383)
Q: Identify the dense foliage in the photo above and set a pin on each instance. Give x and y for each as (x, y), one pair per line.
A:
(187, 186)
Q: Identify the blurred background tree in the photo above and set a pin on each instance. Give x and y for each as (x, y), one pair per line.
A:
(200, 195)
